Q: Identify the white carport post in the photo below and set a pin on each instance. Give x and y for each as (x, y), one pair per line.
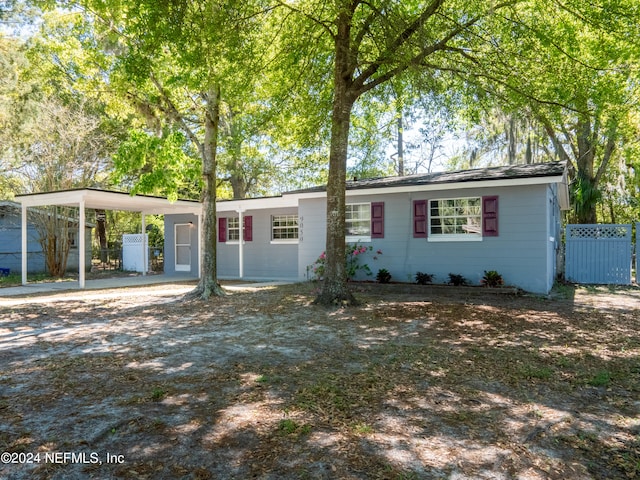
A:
(144, 247)
(81, 246)
(24, 243)
(241, 244)
(200, 244)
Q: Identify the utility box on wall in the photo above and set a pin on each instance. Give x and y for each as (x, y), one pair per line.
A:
(134, 254)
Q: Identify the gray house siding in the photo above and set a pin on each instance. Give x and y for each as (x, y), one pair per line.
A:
(263, 258)
(554, 234)
(170, 222)
(523, 247)
(520, 252)
(72, 260)
(11, 245)
(313, 234)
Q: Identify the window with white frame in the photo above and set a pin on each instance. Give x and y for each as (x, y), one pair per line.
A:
(233, 229)
(284, 227)
(455, 218)
(358, 220)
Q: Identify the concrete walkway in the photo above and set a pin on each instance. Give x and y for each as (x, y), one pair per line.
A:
(48, 288)
(99, 284)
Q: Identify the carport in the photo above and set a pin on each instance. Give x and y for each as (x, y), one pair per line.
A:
(90, 198)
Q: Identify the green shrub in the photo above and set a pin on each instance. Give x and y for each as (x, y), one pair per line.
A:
(383, 276)
(424, 278)
(354, 261)
(457, 280)
(491, 279)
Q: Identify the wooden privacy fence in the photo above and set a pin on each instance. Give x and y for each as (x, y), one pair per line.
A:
(599, 254)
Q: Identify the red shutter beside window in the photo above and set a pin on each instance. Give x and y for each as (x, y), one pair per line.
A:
(248, 228)
(222, 230)
(377, 220)
(490, 216)
(419, 219)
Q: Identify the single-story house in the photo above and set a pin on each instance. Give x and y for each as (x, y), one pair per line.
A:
(10, 242)
(506, 219)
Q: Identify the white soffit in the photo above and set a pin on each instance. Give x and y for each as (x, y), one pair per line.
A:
(107, 200)
(243, 205)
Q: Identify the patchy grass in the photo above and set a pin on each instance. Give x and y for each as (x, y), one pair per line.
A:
(416, 383)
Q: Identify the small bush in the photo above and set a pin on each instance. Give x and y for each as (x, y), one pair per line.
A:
(491, 279)
(383, 276)
(424, 278)
(457, 280)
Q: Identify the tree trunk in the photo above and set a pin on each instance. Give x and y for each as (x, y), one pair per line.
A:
(101, 222)
(400, 145)
(208, 284)
(334, 288)
(238, 183)
(53, 229)
(585, 188)
(511, 134)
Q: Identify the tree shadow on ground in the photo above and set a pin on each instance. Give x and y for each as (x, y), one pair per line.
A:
(264, 385)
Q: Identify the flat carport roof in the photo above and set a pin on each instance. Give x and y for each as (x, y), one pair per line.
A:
(110, 200)
(101, 199)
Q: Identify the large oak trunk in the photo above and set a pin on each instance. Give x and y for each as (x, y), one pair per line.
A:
(334, 288)
(208, 284)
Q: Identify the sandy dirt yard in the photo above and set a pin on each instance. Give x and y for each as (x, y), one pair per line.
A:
(418, 383)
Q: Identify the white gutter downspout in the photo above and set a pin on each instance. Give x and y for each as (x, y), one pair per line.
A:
(200, 244)
(144, 246)
(241, 244)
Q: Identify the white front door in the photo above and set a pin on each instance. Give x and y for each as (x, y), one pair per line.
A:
(183, 247)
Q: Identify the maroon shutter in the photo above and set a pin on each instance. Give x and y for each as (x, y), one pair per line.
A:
(222, 230)
(377, 220)
(419, 219)
(248, 228)
(490, 216)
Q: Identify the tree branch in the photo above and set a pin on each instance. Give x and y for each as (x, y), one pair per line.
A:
(557, 144)
(608, 151)
(175, 115)
(325, 25)
(401, 39)
(360, 83)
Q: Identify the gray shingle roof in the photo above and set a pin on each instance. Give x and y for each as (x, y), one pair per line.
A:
(551, 169)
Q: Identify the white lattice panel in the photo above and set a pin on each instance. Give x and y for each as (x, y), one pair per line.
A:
(134, 256)
(599, 231)
(132, 239)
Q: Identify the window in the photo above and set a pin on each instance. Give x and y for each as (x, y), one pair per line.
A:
(233, 229)
(284, 227)
(229, 229)
(358, 220)
(455, 218)
(364, 221)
